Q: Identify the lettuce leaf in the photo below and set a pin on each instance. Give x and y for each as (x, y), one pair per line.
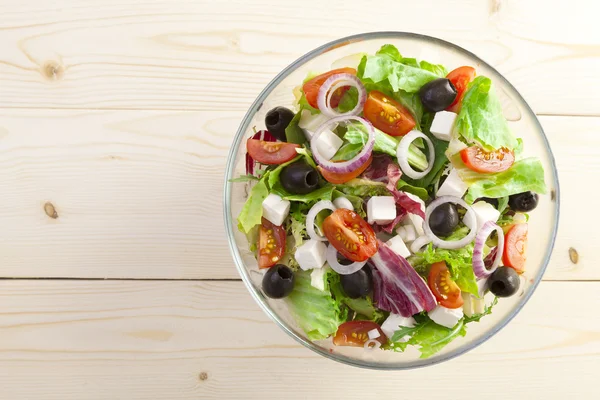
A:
(432, 337)
(385, 68)
(293, 132)
(251, 213)
(522, 176)
(481, 120)
(316, 311)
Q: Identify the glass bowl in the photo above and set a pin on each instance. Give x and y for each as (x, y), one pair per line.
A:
(542, 225)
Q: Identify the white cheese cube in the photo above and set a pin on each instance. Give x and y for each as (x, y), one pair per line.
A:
(311, 122)
(342, 202)
(317, 277)
(410, 233)
(443, 124)
(328, 143)
(394, 322)
(484, 212)
(397, 245)
(478, 305)
(311, 254)
(275, 209)
(447, 317)
(373, 334)
(401, 231)
(381, 210)
(452, 186)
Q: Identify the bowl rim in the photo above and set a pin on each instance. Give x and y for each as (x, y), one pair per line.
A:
(257, 104)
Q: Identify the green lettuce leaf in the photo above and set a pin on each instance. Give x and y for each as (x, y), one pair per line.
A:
(417, 191)
(316, 311)
(526, 174)
(432, 337)
(363, 188)
(251, 213)
(384, 68)
(323, 193)
(293, 132)
(437, 69)
(244, 178)
(481, 120)
(390, 51)
(348, 101)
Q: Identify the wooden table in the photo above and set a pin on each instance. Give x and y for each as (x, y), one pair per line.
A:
(115, 121)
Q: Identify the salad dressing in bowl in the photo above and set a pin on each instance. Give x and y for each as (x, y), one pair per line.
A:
(521, 120)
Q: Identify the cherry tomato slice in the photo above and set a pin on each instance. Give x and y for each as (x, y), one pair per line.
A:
(311, 88)
(483, 161)
(271, 244)
(515, 247)
(339, 178)
(351, 235)
(387, 115)
(445, 290)
(271, 152)
(460, 78)
(356, 333)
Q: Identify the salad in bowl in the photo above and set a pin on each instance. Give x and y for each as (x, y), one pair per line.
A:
(388, 205)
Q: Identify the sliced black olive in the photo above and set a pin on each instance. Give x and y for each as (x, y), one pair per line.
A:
(358, 284)
(438, 94)
(278, 281)
(444, 219)
(525, 201)
(277, 120)
(504, 282)
(299, 178)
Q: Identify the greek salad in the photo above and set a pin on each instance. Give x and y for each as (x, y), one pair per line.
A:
(388, 202)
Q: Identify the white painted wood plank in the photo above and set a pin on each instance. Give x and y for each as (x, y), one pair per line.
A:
(138, 194)
(65, 340)
(218, 55)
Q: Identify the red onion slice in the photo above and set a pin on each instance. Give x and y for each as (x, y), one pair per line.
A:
(335, 82)
(402, 154)
(312, 214)
(344, 166)
(479, 268)
(455, 244)
(335, 265)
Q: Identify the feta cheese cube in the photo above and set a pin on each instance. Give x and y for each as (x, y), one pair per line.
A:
(373, 334)
(328, 143)
(410, 233)
(317, 277)
(394, 322)
(311, 122)
(447, 317)
(311, 254)
(342, 202)
(381, 210)
(452, 186)
(484, 212)
(443, 124)
(397, 245)
(275, 209)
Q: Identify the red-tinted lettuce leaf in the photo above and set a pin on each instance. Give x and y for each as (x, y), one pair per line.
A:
(398, 287)
(260, 135)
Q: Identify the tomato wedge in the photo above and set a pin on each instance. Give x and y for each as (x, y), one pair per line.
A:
(356, 333)
(351, 235)
(271, 152)
(271, 244)
(483, 161)
(445, 290)
(515, 247)
(460, 78)
(339, 178)
(387, 115)
(311, 88)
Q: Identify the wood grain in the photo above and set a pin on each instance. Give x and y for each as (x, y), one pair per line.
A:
(218, 55)
(137, 194)
(177, 340)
